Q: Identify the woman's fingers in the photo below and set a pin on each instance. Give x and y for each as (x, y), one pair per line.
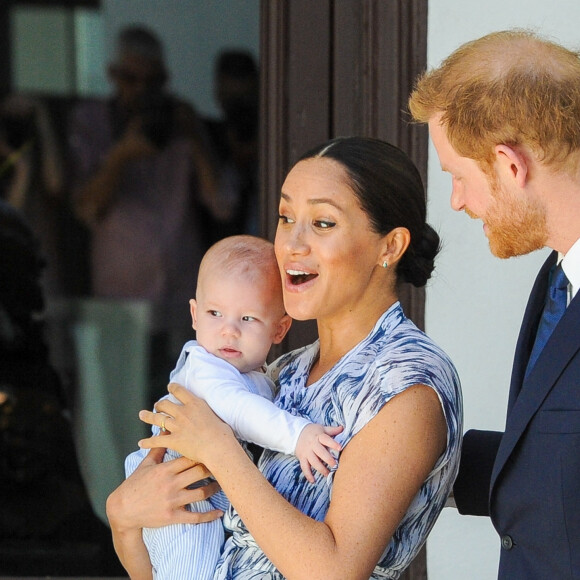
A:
(187, 474)
(199, 493)
(187, 517)
(147, 417)
(180, 392)
(166, 406)
(154, 456)
(161, 420)
(189, 428)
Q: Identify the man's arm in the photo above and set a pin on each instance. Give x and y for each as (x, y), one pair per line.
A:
(472, 485)
(93, 198)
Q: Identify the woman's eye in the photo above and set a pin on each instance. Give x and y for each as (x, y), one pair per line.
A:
(324, 224)
(285, 219)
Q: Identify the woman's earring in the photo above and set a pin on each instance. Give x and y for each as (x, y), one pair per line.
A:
(385, 265)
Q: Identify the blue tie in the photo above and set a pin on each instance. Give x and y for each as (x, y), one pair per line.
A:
(554, 308)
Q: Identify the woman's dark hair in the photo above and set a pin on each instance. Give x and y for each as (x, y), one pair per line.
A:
(391, 193)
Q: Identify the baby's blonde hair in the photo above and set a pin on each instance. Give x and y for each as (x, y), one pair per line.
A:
(249, 257)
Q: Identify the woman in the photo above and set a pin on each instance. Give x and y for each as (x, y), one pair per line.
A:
(352, 226)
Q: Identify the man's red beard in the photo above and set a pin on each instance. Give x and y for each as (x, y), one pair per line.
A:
(513, 228)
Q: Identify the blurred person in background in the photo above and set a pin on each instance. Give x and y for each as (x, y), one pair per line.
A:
(47, 525)
(235, 139)
(142, 167)
(31, 175)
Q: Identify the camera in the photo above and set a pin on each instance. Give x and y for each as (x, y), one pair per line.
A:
(157, 113)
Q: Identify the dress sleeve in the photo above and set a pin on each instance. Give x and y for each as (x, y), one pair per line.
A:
(252, 417)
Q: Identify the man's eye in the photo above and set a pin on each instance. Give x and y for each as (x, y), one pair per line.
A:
(324, 224)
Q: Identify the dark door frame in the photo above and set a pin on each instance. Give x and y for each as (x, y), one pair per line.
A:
(331, 68)
(337, 67)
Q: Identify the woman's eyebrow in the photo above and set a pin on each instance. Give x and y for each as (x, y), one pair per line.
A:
(326, 201)
(315, 201)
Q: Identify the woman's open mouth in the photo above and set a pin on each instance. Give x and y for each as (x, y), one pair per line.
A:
(298, 277)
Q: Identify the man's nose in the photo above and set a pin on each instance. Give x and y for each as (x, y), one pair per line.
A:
(457, 201)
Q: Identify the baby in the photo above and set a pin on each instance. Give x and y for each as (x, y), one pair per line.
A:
(238, 313)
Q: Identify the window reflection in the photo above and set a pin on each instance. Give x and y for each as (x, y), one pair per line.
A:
(100, 348)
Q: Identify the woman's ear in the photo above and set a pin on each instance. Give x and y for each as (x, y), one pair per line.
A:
(396, 243)
(512, 163)
(193, 311)
(282, 328)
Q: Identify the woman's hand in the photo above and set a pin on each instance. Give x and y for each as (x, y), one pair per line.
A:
(156, 494)
(192, 428)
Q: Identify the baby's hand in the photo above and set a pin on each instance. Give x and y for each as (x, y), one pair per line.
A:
(313, 449)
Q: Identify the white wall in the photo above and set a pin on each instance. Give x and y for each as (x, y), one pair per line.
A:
(475, 302)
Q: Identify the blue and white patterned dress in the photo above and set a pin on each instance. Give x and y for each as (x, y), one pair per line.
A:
(394, 356)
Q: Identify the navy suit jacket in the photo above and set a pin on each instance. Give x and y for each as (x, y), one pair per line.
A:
(527, 479)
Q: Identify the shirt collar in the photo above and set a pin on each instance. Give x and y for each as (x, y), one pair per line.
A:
(571, 267)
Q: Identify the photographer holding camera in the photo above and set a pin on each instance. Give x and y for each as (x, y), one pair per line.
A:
(141, 170)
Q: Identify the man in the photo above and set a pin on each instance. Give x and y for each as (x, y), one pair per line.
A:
(504, 116)
(141, 171)
(235, 139)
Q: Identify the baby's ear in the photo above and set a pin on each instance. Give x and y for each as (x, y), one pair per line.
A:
(282, 328)
(193, 310)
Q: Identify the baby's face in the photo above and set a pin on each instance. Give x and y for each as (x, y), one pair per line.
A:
(238, 320)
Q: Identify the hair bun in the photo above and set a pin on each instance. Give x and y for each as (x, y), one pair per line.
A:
(418, 263)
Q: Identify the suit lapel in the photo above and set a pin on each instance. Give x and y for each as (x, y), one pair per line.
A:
(531, 392)
(528, 329)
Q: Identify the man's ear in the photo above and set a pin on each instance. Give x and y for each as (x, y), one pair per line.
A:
(193, 311)
(282, 329)
(512, 163)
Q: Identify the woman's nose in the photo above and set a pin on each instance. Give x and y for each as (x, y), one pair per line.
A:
(295, 239)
